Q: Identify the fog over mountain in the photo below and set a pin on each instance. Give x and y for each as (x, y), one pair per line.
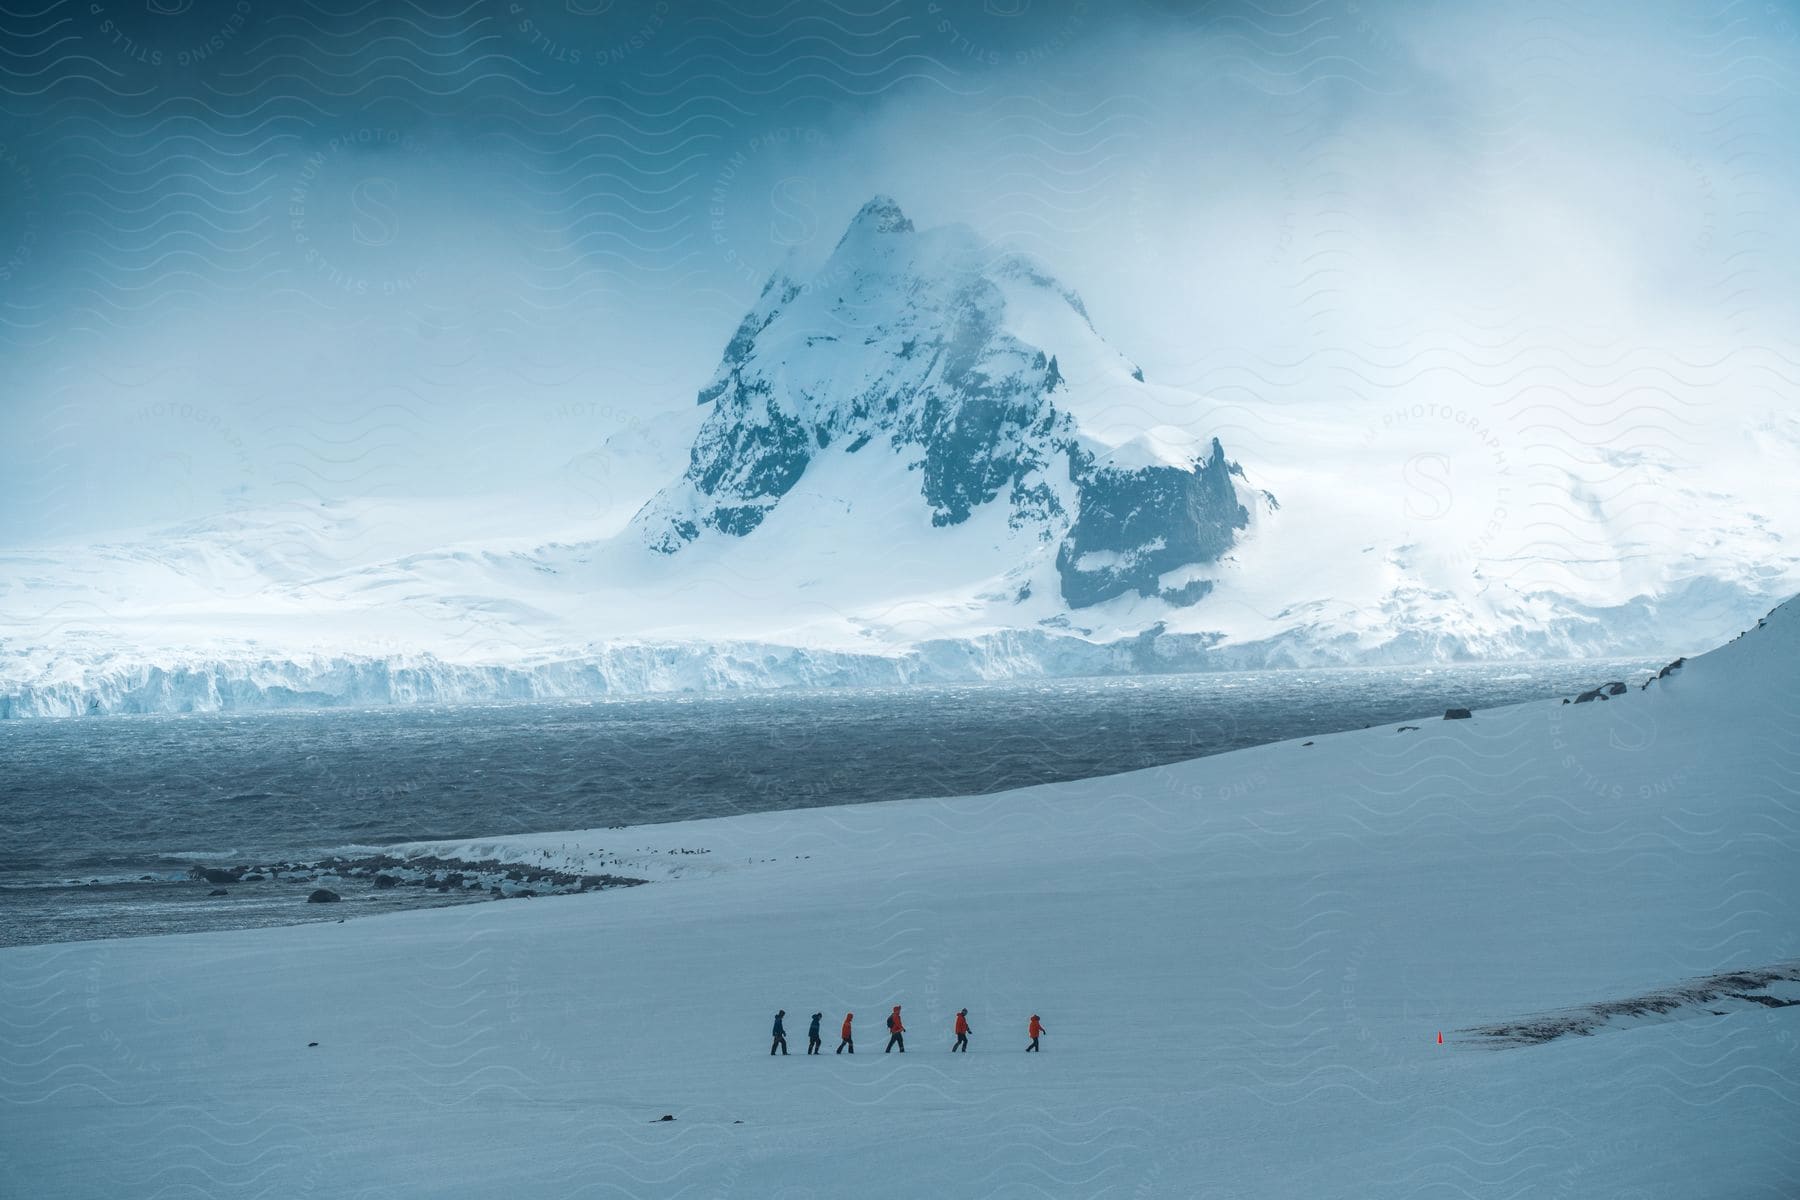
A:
(1367, 333)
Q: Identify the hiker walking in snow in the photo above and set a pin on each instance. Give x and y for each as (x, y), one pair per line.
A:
(1037, 1031)
(812, 1035)
(962, 1032)
(780, 1042)
(848, 1017)
(896, 1031)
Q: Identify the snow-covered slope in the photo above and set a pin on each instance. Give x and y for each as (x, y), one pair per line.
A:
(1243, 963)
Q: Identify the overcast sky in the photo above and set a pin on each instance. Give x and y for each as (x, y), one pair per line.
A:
(254, 252)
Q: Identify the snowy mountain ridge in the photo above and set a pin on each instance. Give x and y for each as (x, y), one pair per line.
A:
(916, 462)
(985, 374)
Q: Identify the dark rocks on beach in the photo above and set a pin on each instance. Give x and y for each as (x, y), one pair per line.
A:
(218, 892)
(664, 1117)
(1457, 714)
(449, 877)
(310, 1045)
(215, 875)
(1406, 728)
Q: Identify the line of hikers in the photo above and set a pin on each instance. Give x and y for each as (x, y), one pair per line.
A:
(896, 1033)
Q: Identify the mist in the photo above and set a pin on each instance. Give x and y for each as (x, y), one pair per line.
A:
(265, 258)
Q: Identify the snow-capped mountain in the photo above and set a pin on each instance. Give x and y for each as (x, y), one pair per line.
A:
(917, 461)
(985, 376)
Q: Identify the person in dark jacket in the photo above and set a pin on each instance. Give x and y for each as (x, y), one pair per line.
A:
(847, 1040)
(1036, 1031)
(896, 1031)
(812, 1035)
(780, 1042)
(962, 1032)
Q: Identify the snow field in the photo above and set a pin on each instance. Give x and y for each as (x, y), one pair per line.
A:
(1243, 962)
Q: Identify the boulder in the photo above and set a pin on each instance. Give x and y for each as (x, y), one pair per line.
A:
(385, 881)
(218, 892)
(323, 896)
(1457, 714)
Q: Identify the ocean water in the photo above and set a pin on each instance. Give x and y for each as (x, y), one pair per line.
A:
(101, 820)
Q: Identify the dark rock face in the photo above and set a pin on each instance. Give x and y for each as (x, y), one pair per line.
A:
(323, 896)
(1457, 714)
(1141, 524)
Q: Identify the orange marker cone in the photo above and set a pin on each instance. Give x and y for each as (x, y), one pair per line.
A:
(1440, 1037)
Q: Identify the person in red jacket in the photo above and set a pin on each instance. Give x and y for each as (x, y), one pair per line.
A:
(1037, 1031)
(962, 1032)
(896, 1031)
(848, 1041)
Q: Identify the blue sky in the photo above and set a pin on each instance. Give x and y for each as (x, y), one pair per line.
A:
(253, 253)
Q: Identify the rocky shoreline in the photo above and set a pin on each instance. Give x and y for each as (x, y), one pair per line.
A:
(487, 878)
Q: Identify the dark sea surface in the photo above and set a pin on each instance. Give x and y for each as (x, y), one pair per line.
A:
(102, 819)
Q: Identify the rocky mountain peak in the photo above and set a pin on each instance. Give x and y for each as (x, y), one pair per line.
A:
(880, 215)
(985, 376)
